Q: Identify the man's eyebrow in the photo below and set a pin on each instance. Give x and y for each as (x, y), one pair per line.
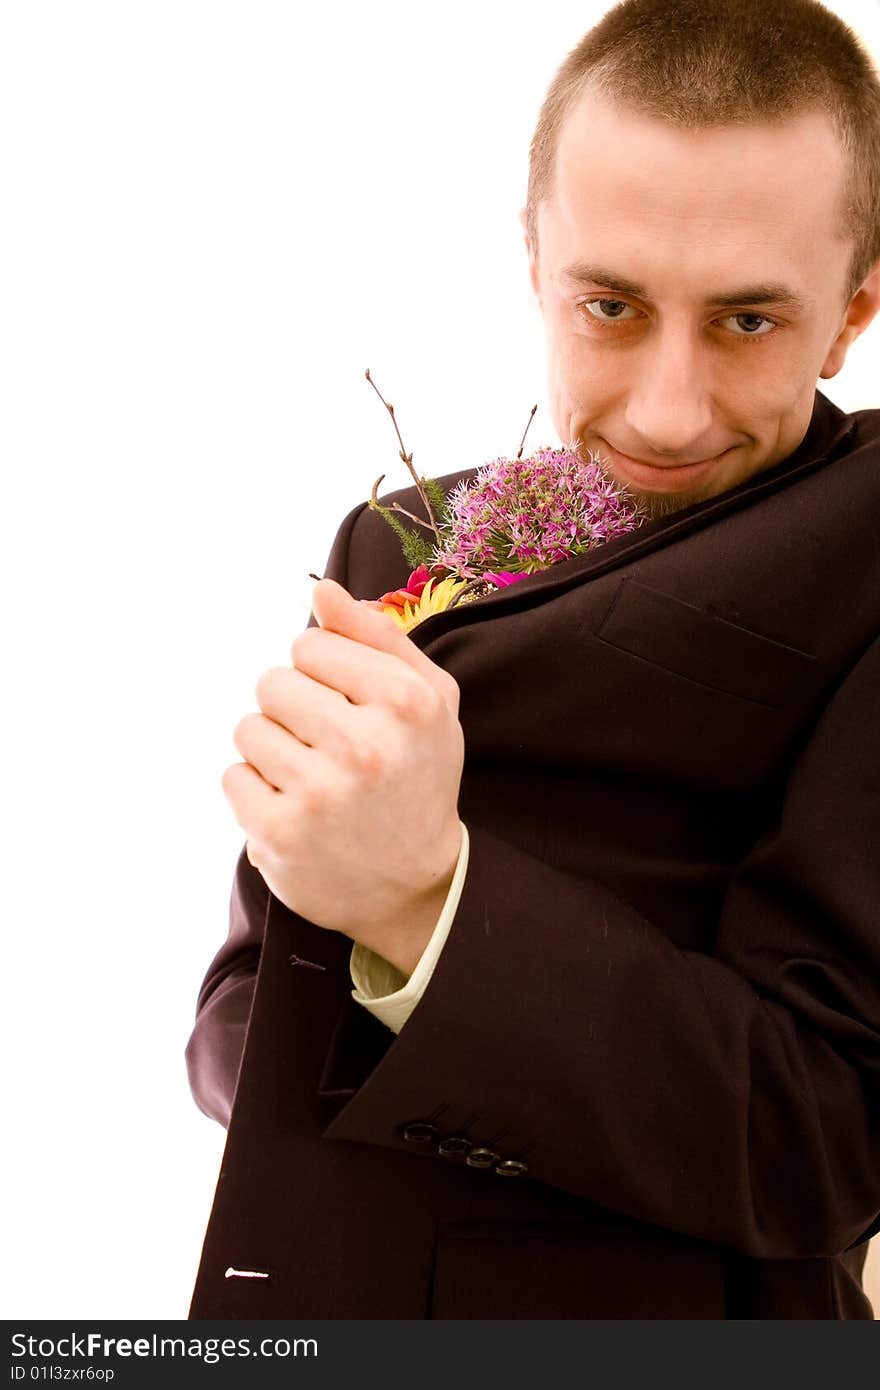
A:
(774, 293)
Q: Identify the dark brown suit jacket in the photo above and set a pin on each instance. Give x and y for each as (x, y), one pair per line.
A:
(659, 1002)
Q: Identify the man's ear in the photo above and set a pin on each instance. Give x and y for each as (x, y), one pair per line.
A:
(532, 253)
(862, 308)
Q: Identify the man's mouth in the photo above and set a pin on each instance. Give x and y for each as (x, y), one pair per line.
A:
(668, 477)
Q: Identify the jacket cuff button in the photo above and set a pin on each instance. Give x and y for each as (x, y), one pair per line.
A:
(419, 1132)
(512, 1168)
(482, 1158)
(454, 1146)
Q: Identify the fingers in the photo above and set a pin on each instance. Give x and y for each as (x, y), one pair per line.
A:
(303, 730)
(300, 703)
(357, 663)
(271, 751)
(337, 611)
(340, 614)
(365, 675)
(252, 799)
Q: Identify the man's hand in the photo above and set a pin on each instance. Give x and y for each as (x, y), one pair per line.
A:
(349, 795)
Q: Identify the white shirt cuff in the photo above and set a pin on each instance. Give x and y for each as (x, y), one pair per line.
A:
(383, 989)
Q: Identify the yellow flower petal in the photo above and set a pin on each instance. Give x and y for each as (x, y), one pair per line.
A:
(434, 598)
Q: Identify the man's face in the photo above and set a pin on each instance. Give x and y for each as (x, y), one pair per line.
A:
(691, 284)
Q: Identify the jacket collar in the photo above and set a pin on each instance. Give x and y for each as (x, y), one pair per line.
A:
(828, 429)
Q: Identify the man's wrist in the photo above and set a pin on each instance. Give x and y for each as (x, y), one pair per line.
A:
(403, 943)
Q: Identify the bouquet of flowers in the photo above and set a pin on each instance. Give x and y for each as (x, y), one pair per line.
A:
(514, 518)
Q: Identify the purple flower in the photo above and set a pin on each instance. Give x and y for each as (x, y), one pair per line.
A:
(519, 516)
(505, 578)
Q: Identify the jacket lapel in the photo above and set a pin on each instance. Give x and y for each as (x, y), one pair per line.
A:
(829, 428)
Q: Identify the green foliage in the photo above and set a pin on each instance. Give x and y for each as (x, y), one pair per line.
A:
(437, 498)
(416, 550)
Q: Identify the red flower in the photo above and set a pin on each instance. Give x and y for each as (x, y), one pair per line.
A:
(411, 592)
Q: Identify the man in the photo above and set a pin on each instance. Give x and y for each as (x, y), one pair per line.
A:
(606, 840)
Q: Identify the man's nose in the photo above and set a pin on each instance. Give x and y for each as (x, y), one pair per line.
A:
(669, 404)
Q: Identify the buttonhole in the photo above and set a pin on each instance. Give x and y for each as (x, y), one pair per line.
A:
(310, 964)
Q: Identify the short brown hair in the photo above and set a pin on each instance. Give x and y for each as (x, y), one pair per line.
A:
(699, 63)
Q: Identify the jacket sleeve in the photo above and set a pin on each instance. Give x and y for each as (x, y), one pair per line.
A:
(214, 1051)
(735, 1096)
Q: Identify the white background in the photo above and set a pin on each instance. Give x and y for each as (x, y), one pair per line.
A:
(215, 216)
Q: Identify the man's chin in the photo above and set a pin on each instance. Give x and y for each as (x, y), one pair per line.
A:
(655, 505)
(652, 504)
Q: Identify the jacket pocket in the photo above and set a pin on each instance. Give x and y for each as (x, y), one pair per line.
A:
(571, 1269)
(712, 651)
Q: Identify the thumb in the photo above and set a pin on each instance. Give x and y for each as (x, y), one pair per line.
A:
(335, 609)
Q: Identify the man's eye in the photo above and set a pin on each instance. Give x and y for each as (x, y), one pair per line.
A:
(611, 309)
(750, 325)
